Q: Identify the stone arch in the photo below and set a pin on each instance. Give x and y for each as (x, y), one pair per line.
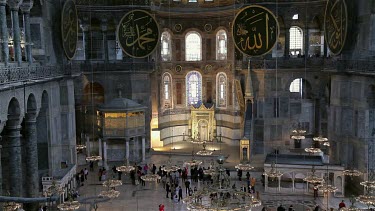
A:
(338, 184)
(31, 103)
(286, 180)
(43, 135)
(298, 181)
(11, 153)
(307, 91)
(93, 93)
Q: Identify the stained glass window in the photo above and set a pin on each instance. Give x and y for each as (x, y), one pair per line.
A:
(166, 50)
(193, 46)
(193, 88)
(221, 45)
(167, 88)
(221, 95)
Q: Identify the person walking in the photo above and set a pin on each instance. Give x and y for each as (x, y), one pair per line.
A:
(167, 188)
(342, 205)
(179, 193)
(161, 207)
(86, 172)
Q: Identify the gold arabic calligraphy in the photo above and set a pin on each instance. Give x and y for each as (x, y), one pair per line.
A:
(69, 32)
(138, 33)
(336, 25)
(255, 33)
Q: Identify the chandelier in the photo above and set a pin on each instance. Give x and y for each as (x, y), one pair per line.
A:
(170, 167)
(298, 134)
(111, 183)
(367, 200)
(93, 158)
(313, 150)
(204, 152)
(11, 206)
(352, 173)
(327, 188)
(80, 146)
(54, 189)
(326, 144)
(368, 184)
(219, 195)
(110, 194)
(125, 168)
(150, 177)
(69, 205)
(244, 167)
(273, 171)
(313, 178)
(320, 139)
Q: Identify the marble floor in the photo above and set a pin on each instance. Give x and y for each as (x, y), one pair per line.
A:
(147, 198)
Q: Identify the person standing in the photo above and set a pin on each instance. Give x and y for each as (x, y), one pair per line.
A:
(86, 172)
(179, 193)
(187, 186)
(161, 207)
(342, 205)
(167, 188)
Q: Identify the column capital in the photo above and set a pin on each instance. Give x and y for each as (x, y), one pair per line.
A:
(14, 4)
(26, 6)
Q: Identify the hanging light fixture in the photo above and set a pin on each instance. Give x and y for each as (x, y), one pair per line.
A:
(313, 150)
(298, 134)
(313, 178)
(352, 173)
(111, 183)
(204, 151)
(327, 188)
(368, 184)
(80, 146)
(326, 144)
(11, 206)
(170, 167)
(126, 167)
(244, 167)
(367, 200)
(94, 158)
(320, 139)
(110, 194)
(150, 177)
(69, 205)
(273, 171)
(54, 189)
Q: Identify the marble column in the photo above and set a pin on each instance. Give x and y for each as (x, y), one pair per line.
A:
(104, 28)
(25, 8)
(88, 147)
(143, 149)
(105, 154)
(1, 170)
(14, 7)
(286, 47)
(4, 33)
(307, 42)
(266, 182)
(279, 179)
(100, 163)
(85, 32)
(31, 154)
(127, 150)
(14, 150)
(135, 148)
(293, 181)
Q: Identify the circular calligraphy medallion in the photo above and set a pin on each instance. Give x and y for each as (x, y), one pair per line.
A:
(178, 68)
(178, 27)
(255, 30)
(69, 28)
(335, 25)
(208, 27)
(138, 33)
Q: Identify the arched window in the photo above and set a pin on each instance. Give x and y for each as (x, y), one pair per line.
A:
(167, 90)
(221, 90)
(193, 88)
(193, 46)
(295, 41)
(296, 86)
(166, 50)
(221, 45)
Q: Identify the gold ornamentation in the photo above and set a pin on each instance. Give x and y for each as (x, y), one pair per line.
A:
(335, 25)
(69, 28)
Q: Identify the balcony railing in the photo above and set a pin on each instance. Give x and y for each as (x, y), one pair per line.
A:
(100, 65)
(34, 72)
